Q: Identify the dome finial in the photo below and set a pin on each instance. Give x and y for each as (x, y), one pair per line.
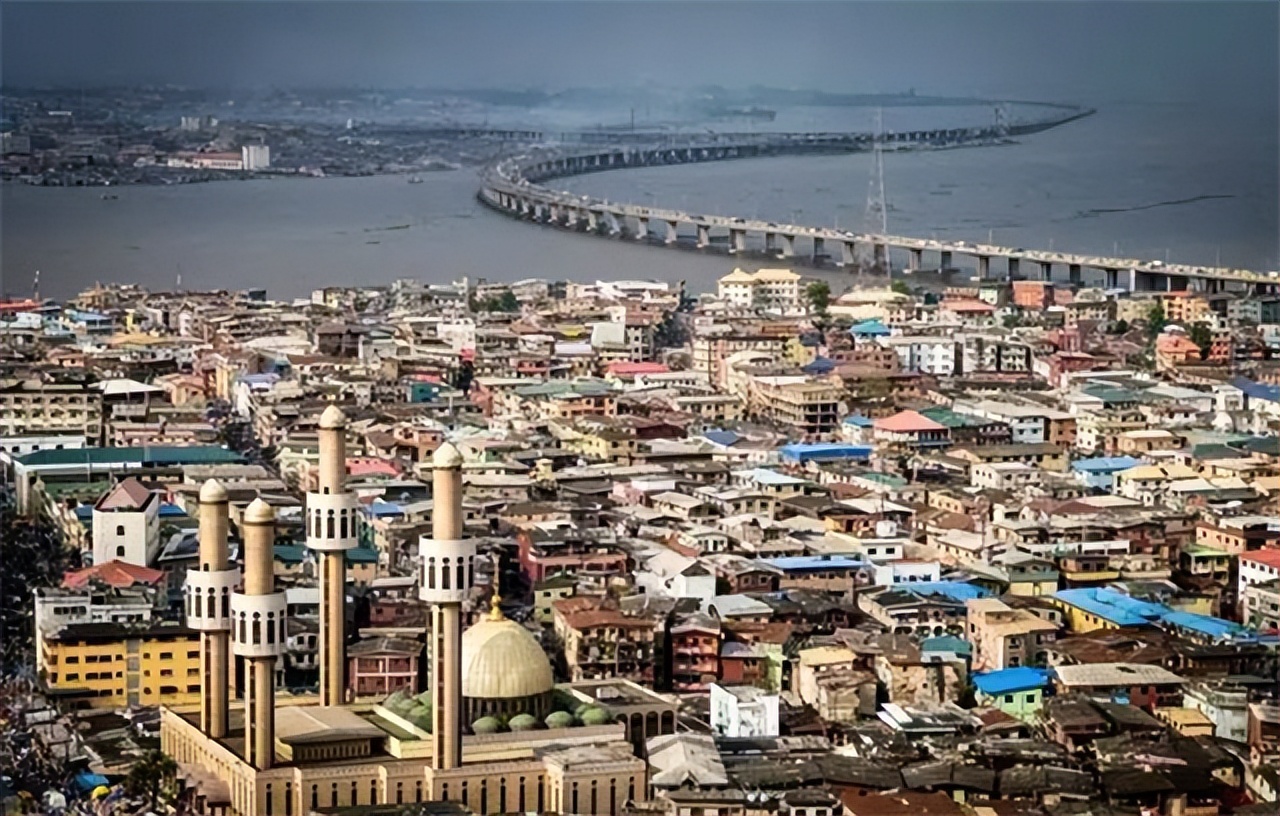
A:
(495, 610)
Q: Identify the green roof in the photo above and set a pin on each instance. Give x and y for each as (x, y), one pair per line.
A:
(294, 553)
(952, 419)
(146, 455)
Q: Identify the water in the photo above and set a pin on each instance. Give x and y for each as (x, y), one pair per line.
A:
(296, 235)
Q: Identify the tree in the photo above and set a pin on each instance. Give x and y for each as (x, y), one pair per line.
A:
(1156, 320)
(901, 287)
(1121, 327)
(1202, 336)
(507, 302)
(819, 295)
(153, 776)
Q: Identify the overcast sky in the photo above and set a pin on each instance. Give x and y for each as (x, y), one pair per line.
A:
(1075, 51)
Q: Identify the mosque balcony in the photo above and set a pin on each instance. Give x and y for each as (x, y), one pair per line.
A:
(448, 570)
(258, 625)
(332, 521)
(207, 599)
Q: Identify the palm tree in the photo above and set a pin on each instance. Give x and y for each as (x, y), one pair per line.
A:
(151, 777)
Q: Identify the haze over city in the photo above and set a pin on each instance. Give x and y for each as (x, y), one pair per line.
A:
(639, 409)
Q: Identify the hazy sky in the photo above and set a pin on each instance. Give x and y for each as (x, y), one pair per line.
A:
(1075, 51)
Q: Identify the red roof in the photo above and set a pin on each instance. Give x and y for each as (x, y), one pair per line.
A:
(908, 422)
(128, 494)
(118, 574)
(625, 369)
(1269, 557)
(967, 305)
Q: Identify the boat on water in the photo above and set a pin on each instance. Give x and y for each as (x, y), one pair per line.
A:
(415, 179)
(109, 196)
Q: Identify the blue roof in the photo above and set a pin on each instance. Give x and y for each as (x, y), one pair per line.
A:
(820, 365)
(171, 511)
(84, 512)
(1113, 606)
(954, 590)
(870, 328)
(1006, 681)
(1257, 390)
(1105, 464)
(87, 780)
(806, 563)
(382, 509)
(143, 455)
(859, 420)
(724, 438)
(1215, 628)
(800, 452)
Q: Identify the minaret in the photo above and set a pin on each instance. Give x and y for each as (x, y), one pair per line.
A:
(331, 531)
(259, 633)
(448, 573)
(208, 604)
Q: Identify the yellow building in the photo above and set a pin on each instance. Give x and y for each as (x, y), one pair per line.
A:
(111, 665)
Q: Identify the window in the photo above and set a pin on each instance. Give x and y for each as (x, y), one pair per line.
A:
(119, 532)
(1008, 698)
(120, 550)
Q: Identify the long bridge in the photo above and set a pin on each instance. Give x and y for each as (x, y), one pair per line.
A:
(515, 186)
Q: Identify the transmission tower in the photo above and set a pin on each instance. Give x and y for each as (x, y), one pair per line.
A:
(877, 215)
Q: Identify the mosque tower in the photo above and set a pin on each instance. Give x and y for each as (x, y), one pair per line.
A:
(208, 606)
(448, 574)
(331, 531)
(259, 632)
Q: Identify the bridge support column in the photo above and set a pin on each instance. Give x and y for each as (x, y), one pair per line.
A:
(593, 221)
(613, 223)
(737, 241)
(819, 247)
(571, 217)
(984, 266)
(704, 236)
(788, 246)
(555, 214)
(1074, 274)
(915, 259)
(848, 253)
(672, 231)
(770, 242)
(880, 256)
(1013, 266)
(642, 229)
(1112, 278)
(1046, 271)
(944, 259)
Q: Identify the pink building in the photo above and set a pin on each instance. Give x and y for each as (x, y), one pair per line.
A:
(378, 666)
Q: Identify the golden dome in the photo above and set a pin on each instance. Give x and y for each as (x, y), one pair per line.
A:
(501, 660)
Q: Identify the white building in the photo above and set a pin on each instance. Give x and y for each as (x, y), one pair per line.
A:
(925, 355)
(126, 525)
(776, 290)
(907, 571)
(1257, 567)
(743, 711)
(255, 157)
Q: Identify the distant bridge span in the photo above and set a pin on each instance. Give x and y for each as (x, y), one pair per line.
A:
(514, 186)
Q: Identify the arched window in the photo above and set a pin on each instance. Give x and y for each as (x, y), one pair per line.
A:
(593, 796)
(226, 602)
(271, 627)
(417, 791)
(329, 534)
(631, 789)
(342, 523)
(270, 804)
(573, 799)
(484, 795)
(444, 792)
(120, 548)
(315, 797)
(399, 793)
(520, 796)
(257, 628)
(120, 532)
(243, 628)
(288, 799)
(281, 625)
(541, 793)
(212, 603)
(444, 574)
(464, 792)
(355, 793)
(502, 795)
(431, 573)
(333, 795)
(373, 791)
(461, 584)
(613, 797)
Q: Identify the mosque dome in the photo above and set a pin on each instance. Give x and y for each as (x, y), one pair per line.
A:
(504, 669)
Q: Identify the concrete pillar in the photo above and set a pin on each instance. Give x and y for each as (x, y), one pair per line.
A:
(704, 236)
(1074, 274)
(1046, 271)
(642, 229)
(215, 645)
(571, 215)
(984, 266)
(944, 259)
(880, 255)
(770, 242)
(915, 259)
(593, 221)
(1112, 277)
(788, 245)
(848, 253)
(673, 231)
(737, 241)
(819, 247)
(1012, 267)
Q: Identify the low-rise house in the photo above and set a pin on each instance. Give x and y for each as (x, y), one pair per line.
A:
(1018, 692)
(1145, 686)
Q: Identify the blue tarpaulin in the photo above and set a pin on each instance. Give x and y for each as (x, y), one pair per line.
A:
(87, 781)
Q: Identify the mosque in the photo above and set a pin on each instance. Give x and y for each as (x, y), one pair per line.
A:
(570, 748)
